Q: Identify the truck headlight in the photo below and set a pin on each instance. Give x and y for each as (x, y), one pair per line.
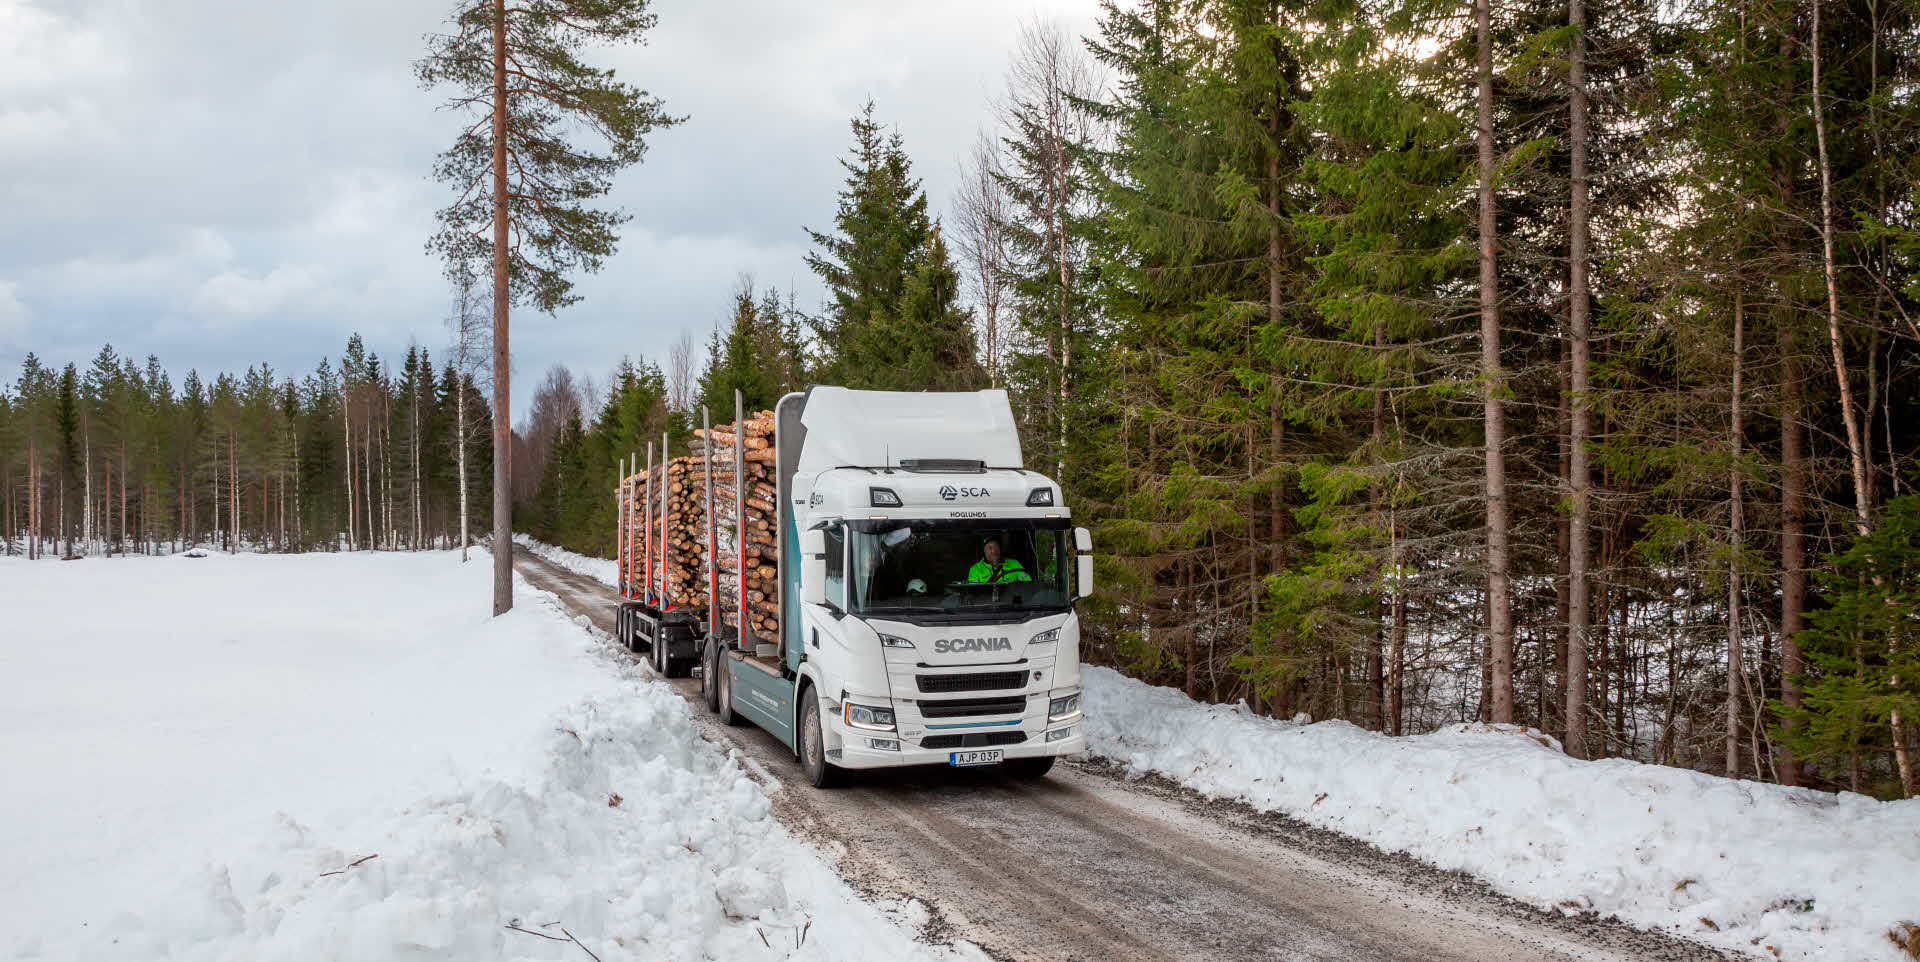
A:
(871, 719)
(883, 498)
(1045, 637)
(894, 641)
(1064, 708)
(1040, 498)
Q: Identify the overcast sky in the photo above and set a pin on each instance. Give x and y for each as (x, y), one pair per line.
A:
(226, 182)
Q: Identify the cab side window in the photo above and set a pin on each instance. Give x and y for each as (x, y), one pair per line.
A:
(837, 566)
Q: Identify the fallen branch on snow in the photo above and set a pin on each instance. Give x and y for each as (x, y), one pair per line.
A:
(352, 864)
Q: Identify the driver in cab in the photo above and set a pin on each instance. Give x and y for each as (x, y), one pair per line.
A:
(995, 569)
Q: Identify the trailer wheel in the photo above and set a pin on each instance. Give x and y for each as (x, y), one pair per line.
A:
(709, 680)
(656, 652)
(727, 715)
(813, 746)
(620, 633)
(1029, 767)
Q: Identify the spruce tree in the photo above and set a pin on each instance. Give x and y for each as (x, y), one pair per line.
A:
(893, 323)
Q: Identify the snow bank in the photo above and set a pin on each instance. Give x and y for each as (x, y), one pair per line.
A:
(1760, 868)
(198, 751)
(603, 570)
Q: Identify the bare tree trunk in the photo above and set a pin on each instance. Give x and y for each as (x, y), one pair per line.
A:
(1735, 649)
(33, 501)
(1856, 447)
(1397, 640)
(1579, 526)
(460, 447)
(1376, 656)
(1793, 550)
(123, 494)
(419, 527)
(502, 408)
(1499, 592)
(87, 532)
(346, 427)
(299, 526)
(233, 492)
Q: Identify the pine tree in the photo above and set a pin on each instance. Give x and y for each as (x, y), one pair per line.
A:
(518, 69)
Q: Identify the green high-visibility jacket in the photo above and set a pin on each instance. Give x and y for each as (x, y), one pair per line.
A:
(1007, 570)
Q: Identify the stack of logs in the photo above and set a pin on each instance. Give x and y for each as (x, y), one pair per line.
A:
(686, 523)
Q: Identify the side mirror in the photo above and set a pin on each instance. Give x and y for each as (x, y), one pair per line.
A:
(1086, 576)
(1082, 540)
(813, 566)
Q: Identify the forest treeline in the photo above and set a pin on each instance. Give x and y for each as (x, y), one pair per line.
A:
(1417, 364)
(1518, 362)
(359, 455)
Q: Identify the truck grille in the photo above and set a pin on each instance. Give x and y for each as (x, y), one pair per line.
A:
(973, 740)
(968, 707)
(984, 681)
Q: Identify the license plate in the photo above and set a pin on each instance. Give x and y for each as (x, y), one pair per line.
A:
(989, 757)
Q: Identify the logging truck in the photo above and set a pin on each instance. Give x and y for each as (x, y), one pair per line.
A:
(870, 576)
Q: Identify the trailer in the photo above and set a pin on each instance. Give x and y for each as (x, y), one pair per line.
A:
(871, 577)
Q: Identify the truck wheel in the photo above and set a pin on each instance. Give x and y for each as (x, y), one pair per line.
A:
(621, 633)
(656, 652)
(813, 747)
(709, 676)
(727, 715)
(1029, 767)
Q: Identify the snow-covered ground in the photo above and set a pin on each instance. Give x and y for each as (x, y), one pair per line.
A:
(200, 756)
(1764, 869)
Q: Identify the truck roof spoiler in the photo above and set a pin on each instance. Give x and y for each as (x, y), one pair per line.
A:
(943, 465)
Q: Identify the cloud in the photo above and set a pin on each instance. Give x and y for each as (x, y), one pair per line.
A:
(225, 182)
(13, 317)
(236, 295)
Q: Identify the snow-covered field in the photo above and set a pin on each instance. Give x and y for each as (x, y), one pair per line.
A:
(1767, 870)
(200, 756)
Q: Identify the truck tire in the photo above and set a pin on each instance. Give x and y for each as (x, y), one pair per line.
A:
(725, 709)
(1029, 767)
(710, 676)
(621, 632)
(813, 746)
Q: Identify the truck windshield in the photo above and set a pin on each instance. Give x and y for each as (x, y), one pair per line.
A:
(958, 567)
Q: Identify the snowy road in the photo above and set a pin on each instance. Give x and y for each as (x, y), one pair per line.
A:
(1088, 865)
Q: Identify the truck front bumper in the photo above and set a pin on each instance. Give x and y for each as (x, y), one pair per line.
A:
(857, 746)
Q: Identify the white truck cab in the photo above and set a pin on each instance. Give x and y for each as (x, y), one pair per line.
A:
(929, 590)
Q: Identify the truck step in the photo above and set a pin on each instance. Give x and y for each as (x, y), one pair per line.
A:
(764, 650)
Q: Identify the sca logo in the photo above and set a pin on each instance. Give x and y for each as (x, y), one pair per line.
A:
(949, 492)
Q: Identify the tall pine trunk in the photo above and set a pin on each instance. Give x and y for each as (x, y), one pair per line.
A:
(1736, 655)
(1499, 593)
(502, 409)
(1579, 600)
